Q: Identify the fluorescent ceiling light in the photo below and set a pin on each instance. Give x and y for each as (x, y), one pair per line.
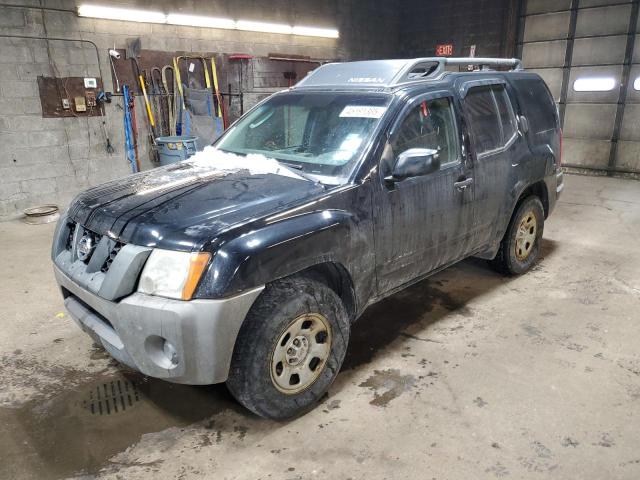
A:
(264, 27)
(594, 84)
(316, 32)
(126, 14)
(636, 83)
(200, 21)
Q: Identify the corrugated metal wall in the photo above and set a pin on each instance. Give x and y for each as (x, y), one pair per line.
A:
(592, 41)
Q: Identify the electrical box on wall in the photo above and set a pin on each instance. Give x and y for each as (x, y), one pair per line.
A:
(91, 99)
(81, 106)
(70, 97)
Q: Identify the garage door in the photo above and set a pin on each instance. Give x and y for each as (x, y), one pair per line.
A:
(584, 49)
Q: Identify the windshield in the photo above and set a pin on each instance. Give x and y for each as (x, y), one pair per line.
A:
(322, 134)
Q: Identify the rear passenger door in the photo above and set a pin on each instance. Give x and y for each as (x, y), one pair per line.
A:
(493, 132)
(423, 222)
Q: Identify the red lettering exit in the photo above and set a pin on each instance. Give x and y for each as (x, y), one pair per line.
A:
(444, 50)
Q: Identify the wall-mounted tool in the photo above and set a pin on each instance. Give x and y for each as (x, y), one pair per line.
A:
(151, 120)
(159, 102)
(113, 53)
(130, 150)
(133, 53)
(216, 92)
(134, 128)
(108, 147)
(171, 97)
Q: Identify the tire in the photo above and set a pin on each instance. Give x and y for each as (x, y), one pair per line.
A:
(263, 367)
(520, 247)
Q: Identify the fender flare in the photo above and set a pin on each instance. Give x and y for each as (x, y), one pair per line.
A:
(280, 249)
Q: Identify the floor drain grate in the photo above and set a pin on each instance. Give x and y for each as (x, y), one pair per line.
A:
(111, 397)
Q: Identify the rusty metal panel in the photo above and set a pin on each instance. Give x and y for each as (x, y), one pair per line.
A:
(53, 90)
(278, 74)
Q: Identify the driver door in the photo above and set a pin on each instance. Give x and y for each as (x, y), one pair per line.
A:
(423, 222)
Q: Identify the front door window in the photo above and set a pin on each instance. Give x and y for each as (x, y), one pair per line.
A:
(430, 125)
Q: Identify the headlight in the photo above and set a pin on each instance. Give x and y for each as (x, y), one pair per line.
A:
(172, 274)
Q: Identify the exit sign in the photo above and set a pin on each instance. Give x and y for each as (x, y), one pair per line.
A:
(444, 50)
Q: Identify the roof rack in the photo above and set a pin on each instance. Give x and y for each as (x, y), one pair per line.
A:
(391, 73)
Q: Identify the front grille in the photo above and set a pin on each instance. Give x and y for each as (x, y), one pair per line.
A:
(85, 235)
(94, 239)
(112, 255)
(72, 230)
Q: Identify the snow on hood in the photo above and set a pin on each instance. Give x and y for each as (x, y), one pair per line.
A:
(229, 162)
(209, 164)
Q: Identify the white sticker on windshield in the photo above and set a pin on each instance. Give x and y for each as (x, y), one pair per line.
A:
(363, 111)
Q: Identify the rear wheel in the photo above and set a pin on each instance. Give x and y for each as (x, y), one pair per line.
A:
(289, 349)
(520, 247)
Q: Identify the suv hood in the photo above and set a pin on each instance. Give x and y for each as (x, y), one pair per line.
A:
(182, 206)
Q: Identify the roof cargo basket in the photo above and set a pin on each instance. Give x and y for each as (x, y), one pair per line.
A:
(422, 68)
(391, 73)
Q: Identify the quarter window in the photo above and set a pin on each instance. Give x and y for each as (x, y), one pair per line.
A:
(430, 124)
(491, 118)
(507, 117)
(538, 106)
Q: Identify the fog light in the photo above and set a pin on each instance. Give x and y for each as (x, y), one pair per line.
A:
(162, 352)
(170, 352)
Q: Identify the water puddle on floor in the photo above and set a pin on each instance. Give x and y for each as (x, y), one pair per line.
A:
(78, 430)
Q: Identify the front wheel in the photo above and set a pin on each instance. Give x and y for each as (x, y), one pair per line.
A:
(289, 349)
(520, 247)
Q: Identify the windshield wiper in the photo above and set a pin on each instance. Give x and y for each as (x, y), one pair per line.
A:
(297, 169)
(290, 165)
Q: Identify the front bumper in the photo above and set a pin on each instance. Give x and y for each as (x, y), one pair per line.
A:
(181, 341)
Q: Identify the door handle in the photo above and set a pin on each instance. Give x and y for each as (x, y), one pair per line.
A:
(463, 184)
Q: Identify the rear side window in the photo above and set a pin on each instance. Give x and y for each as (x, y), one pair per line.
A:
(537, 105)
(484, 120)
(491, 118)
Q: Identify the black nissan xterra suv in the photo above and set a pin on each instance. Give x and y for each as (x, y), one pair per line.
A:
(249, 262)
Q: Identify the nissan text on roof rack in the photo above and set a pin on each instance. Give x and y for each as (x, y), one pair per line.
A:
(249, 262)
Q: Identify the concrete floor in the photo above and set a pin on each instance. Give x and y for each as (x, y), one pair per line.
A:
(467, 375)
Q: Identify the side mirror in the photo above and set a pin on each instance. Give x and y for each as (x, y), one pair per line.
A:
(523, 123)
(415, 162)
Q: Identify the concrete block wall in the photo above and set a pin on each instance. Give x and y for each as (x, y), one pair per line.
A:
(51, 160)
